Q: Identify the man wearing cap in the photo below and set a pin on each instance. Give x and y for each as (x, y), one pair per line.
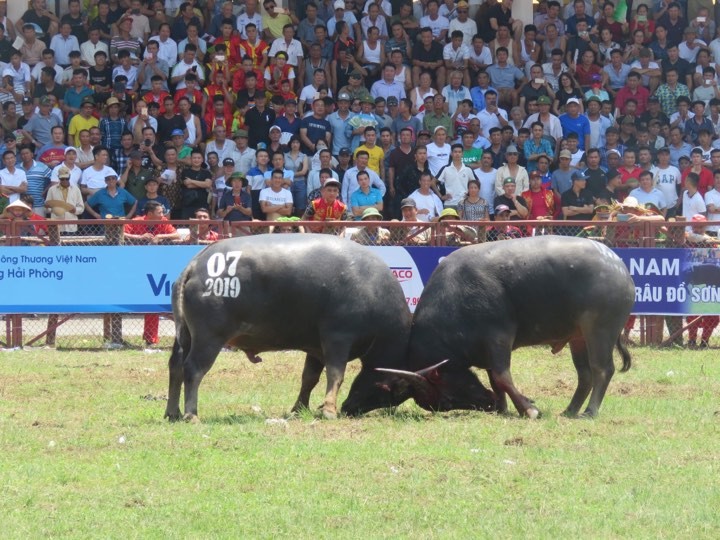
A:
(512, 169)
(516, 203)
(84, 120)
(577, 202)
(235, 204)
(112, 200)
(599, 124)
(340, 125)
(135, 176)
(573, 122)
(64, 200)
(152, 186)
(328, 206)
(371, 234)
(551, 123)
(346, 15)
(242, 155)
(501, 231)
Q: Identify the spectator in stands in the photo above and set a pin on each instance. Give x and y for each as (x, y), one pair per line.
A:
(196, 181)
(111, 201)
(328, 207)
(428, 203)
(577, 202)
(138, 232)
(235, 204)
(64, 201)
(37, 175)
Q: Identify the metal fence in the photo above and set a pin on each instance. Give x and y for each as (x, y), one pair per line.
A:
(113, 330)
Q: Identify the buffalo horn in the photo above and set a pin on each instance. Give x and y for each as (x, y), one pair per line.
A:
(423, 388)
(428, 370)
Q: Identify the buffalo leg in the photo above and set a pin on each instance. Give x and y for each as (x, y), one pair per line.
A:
(501, 397)
(503, 381)
(310, 377)
(172, 411)
(579, 352)
(197, 363)
(335, 355)
(600, 350)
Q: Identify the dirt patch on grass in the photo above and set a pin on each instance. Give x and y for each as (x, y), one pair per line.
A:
(515, 441)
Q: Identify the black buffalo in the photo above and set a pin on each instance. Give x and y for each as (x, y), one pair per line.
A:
(486, 300)
(331, 298)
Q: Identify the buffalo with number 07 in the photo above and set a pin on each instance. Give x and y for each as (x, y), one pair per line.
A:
(331, 298)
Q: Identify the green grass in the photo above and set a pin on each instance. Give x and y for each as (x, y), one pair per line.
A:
(648, 467)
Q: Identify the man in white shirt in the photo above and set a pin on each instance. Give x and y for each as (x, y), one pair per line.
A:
(486, 175)
(91, 46)
(455, 177)
(168, 47)
(63, 44)
(429, 206)
(646, 192)
(464, 23)
(436, 22)
(275, 200)
(692, 202)
(288, 44)
(251, 15)
(667, 179)
(188, 64)
(438, 151)
(13, 181)
(492, 115)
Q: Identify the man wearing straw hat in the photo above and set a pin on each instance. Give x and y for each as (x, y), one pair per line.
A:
(64, 200)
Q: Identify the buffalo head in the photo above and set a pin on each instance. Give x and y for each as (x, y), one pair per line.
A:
(441, 387)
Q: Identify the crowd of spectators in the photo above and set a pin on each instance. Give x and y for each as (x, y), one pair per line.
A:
(259, 112)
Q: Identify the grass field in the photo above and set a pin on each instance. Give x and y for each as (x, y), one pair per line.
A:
(84, 452)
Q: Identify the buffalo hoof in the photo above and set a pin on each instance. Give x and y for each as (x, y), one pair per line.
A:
(532, 413)
(173, 417)
(589, 415)
(329, 415)
(191, 418)
(569, 414)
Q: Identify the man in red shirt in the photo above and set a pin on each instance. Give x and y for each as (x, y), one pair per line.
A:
(696, 165)
(632, 89)
(541, 201)
(139, 232)
(629, 174)
(327, 207)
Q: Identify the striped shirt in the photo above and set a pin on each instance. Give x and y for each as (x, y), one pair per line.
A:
(38, 179)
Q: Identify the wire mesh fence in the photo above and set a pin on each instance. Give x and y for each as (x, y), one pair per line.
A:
(115, 330)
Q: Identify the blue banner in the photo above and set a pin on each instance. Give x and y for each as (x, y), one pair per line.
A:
(138, 279)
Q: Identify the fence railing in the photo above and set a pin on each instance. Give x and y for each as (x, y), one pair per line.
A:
(94, 331)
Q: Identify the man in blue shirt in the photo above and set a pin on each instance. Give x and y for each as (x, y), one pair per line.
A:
(573, 122)
(315, 128)
(111, 201)
(365, 197)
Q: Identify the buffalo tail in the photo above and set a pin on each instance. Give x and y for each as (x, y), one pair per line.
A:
(622, 349)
